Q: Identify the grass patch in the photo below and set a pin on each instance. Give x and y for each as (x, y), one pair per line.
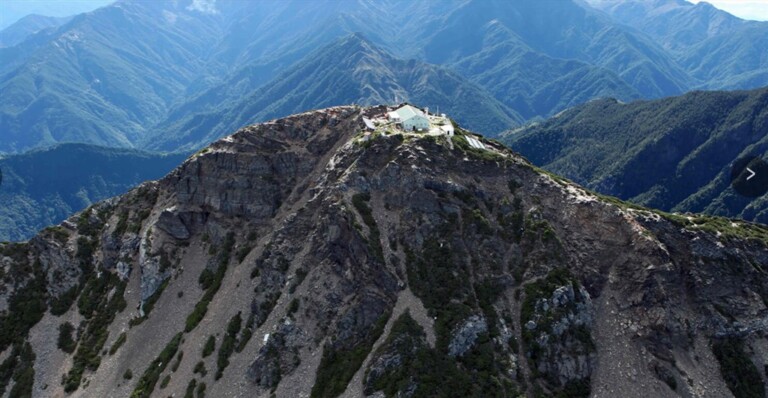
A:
(200, 369)
(476, 218)
(177, 362)
(432, 373)
(301, 274)
(727, 228)
(66, 342)
(228, 344)
(18, 367)
(293, 307)
(190, 392)
(148, 380)
(246, 334)
(99, 310)
(209, 347)
(25, 309)
(440, 282)
(60, 305)
(337, 367)
(487, 292)
(360, 201)
(738, 371)
(118, 343)
(58, 233)
(211, 282)
(243, 252)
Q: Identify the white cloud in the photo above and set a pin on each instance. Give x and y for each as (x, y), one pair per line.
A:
(204, 6)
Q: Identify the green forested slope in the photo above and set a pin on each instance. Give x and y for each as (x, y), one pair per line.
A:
(119, 74)
(42, 188)
(672, 154)
(351, 70)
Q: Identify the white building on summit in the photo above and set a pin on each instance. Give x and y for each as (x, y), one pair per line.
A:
(410, 118)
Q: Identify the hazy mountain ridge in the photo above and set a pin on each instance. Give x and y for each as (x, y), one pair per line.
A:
(29, 25)
(206, 58)
(95, 83)
(537, 85)
(350, 70)
(210, 71)
(717, 48)
(673, 154)
(44, 187)
(569, 31)
(292, 259)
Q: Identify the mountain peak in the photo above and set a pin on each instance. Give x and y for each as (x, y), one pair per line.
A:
(301, 246)
(351, 69)
(356, 41)
(358, 36)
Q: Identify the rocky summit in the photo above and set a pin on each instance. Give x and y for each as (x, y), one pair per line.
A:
(304, 258)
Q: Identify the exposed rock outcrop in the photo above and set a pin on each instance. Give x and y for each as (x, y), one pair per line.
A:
(298, 230)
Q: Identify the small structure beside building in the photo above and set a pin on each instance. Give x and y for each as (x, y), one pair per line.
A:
(369, 124)
(474, 142)
(447, 129)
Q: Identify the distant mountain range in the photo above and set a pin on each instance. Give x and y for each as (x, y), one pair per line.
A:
(27, 26)
(123, 74)
(672, 154)
(42, 188)
(717, 49)
(350, 70)
(104, 77)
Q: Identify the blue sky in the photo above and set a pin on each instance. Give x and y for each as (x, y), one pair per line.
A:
(12, 10)
(747, 9)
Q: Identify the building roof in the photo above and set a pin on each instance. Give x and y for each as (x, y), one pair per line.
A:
(406, 112)
(369, 123)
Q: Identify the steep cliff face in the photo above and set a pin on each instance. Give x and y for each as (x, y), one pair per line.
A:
(295, 259)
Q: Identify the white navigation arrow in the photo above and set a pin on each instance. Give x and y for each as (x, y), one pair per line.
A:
(751, 173)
